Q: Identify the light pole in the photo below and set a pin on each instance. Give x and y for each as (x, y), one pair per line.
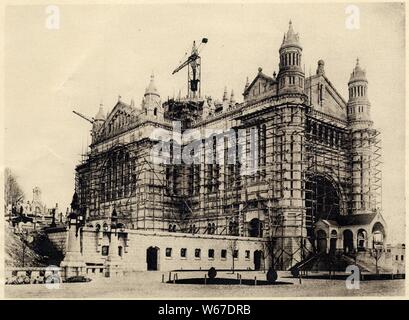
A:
(73, 262)
(113, 261)
(377, 254)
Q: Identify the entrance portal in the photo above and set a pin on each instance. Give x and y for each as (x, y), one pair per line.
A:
(152, 258)
(322, 200)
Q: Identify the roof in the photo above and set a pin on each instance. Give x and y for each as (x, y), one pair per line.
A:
(358, 73)
(291, 38)
(350, 220)
(151, 88)
(355, 219)
(259, 75)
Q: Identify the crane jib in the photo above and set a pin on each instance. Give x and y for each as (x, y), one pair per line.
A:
(191, 59)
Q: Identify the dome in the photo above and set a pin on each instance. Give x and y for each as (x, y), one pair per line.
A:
(290, 38)
(151, 98)
(151, 88)
(358, 74)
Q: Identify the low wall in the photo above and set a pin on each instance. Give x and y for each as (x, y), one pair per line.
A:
(166, 247)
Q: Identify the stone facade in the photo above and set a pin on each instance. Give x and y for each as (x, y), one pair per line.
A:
(315, 161)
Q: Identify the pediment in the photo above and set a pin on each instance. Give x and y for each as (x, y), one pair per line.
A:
(121, 115)
(332, 102)
(260, 86)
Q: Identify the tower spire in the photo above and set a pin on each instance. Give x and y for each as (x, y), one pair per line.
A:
(359, 121)
(290, 38)
(247, 84)
(232, 100)
(225, 94)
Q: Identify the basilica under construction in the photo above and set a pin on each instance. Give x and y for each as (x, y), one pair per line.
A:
(315, 186)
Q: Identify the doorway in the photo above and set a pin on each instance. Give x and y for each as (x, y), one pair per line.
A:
(348, 241)
(152, 258)
(257, 259)
(333, 242)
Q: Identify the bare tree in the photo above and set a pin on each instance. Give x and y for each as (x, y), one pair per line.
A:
(232, 249)
(12, 190)
(269, 246)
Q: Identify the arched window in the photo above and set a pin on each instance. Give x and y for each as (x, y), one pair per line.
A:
(378, 234)
(333, 242)
(255, 228)
(155, 112)
(348, 241)
(361, 240)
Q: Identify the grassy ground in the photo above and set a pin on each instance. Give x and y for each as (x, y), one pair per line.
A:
(149, 285)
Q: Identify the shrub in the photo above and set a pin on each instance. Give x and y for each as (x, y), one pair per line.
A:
(271, 275)
(212, 273)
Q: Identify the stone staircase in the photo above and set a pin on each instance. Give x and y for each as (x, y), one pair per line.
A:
(331, 262)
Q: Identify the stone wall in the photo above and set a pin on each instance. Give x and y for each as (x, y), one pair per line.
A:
(135, 243)
(58, 237)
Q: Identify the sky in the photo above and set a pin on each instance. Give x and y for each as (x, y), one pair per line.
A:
(102, 51)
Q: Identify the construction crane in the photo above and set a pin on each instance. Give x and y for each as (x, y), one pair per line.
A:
(83, 117)
(194, 70)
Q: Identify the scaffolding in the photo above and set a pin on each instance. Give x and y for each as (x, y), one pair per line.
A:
(324, 149)
(298, 144)
(134, 185)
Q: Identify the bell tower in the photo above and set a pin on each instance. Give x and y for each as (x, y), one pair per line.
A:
(361, 131)
(291, 75)
(358, 108)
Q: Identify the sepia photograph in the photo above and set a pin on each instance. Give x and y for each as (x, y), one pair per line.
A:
(204, 150)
